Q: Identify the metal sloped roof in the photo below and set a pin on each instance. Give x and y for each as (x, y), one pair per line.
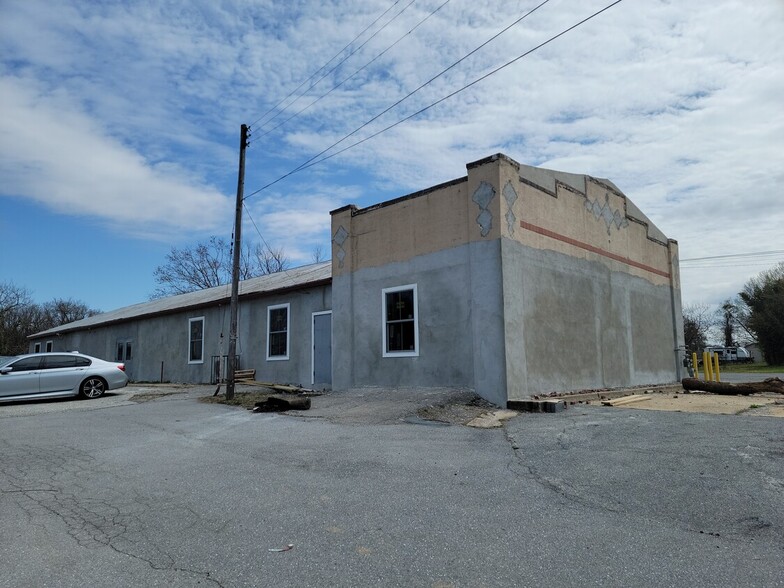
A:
(299, 277)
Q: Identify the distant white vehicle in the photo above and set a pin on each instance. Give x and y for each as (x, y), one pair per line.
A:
(731, 354)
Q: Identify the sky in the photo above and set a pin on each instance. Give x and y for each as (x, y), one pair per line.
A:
(120, 123)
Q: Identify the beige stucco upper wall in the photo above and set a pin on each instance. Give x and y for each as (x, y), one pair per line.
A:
(583, 217)
(573, 214)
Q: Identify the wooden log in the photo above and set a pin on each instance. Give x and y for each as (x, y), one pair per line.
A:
(278, 403)
(744, 389)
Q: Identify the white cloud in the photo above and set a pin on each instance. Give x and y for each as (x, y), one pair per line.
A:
(132, 111)
(55, 154)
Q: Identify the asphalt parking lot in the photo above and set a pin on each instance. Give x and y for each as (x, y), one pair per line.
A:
(154, 489)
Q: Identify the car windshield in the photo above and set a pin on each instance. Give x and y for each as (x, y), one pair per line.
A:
(4, 361)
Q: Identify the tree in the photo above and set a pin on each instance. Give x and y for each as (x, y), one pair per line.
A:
(733, 317)
(14, 301)
(270, 261)
(61, 311)
(318, 254)
(20, 317)
(764, 295)
(696, 323)
(208, 264)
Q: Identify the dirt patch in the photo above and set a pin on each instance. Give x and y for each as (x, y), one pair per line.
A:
(456, 413)
(244, 399)
(755, 404)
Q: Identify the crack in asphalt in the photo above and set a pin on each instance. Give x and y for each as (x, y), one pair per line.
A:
(34, 479)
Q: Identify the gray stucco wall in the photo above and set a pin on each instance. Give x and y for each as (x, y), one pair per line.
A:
(575, 324)
(164, 340)
(460, 323)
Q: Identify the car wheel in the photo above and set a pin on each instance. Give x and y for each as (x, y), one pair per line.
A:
(92, 388)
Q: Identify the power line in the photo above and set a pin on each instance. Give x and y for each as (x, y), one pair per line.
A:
(310, 161)
(339, 84)
(314, 160)
(736, 255)
(314, 74)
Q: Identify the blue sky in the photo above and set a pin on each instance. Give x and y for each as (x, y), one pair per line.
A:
(119, 126)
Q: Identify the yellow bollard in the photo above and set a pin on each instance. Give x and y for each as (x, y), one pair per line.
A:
(716, 374)
(706, 366)
(694, 363)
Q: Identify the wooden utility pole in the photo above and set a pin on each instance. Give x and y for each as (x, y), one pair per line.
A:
(235, 267)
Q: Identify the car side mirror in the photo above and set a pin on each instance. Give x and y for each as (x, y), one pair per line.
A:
(5, 370)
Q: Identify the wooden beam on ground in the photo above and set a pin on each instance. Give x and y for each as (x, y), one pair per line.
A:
(626, 400)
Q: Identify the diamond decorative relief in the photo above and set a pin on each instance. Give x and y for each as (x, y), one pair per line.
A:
(482, 197)
(338, 239)
(604, 211)
(340, 236)
(510, 195)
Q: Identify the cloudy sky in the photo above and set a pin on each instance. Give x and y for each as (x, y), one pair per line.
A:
(119, 126)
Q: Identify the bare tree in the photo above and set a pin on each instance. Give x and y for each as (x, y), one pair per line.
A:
(208, 264)
(318, 254)
(14, 302)
(271, 260)
(697, 321)
(21, 317)
(61, 311)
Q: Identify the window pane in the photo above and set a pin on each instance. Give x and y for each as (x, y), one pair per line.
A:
(59, 361)
(128, 351)
(119, 355)
(197, 337)
(400, 336)
(195, 350)
(29, 363)
(400, 305)
(82, 362)
(48, 346)
(277, 344)
(278, 320)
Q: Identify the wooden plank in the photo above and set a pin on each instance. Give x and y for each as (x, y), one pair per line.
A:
(626, 400)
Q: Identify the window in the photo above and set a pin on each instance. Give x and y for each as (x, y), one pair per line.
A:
(123, 351)
(278, 331)
(59, 361)
(196, 340)
(400, 321)
(48, 346)
(26, 364)
(37, 348)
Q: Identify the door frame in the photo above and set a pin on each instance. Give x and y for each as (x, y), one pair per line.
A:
(313, 344)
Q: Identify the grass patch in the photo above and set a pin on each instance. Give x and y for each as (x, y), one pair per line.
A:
(246, 400)
(751, 368)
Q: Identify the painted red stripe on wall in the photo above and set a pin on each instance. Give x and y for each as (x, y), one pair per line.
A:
(592, 249)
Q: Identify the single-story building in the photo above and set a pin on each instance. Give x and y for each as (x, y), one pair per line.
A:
(512, 281)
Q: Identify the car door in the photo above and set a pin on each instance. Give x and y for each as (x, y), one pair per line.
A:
(21, 378)
(60, 373)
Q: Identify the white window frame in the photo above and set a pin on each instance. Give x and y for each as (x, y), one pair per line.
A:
(37, 347)
(287, 306)
(203, 329)
(384, 351)
(49, 346)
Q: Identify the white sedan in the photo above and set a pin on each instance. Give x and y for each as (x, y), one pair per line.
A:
(56, 375)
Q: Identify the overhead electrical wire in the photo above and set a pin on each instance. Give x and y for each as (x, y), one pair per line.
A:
(736, 255)
(314, 74)
(316, 159)
(344, 80)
